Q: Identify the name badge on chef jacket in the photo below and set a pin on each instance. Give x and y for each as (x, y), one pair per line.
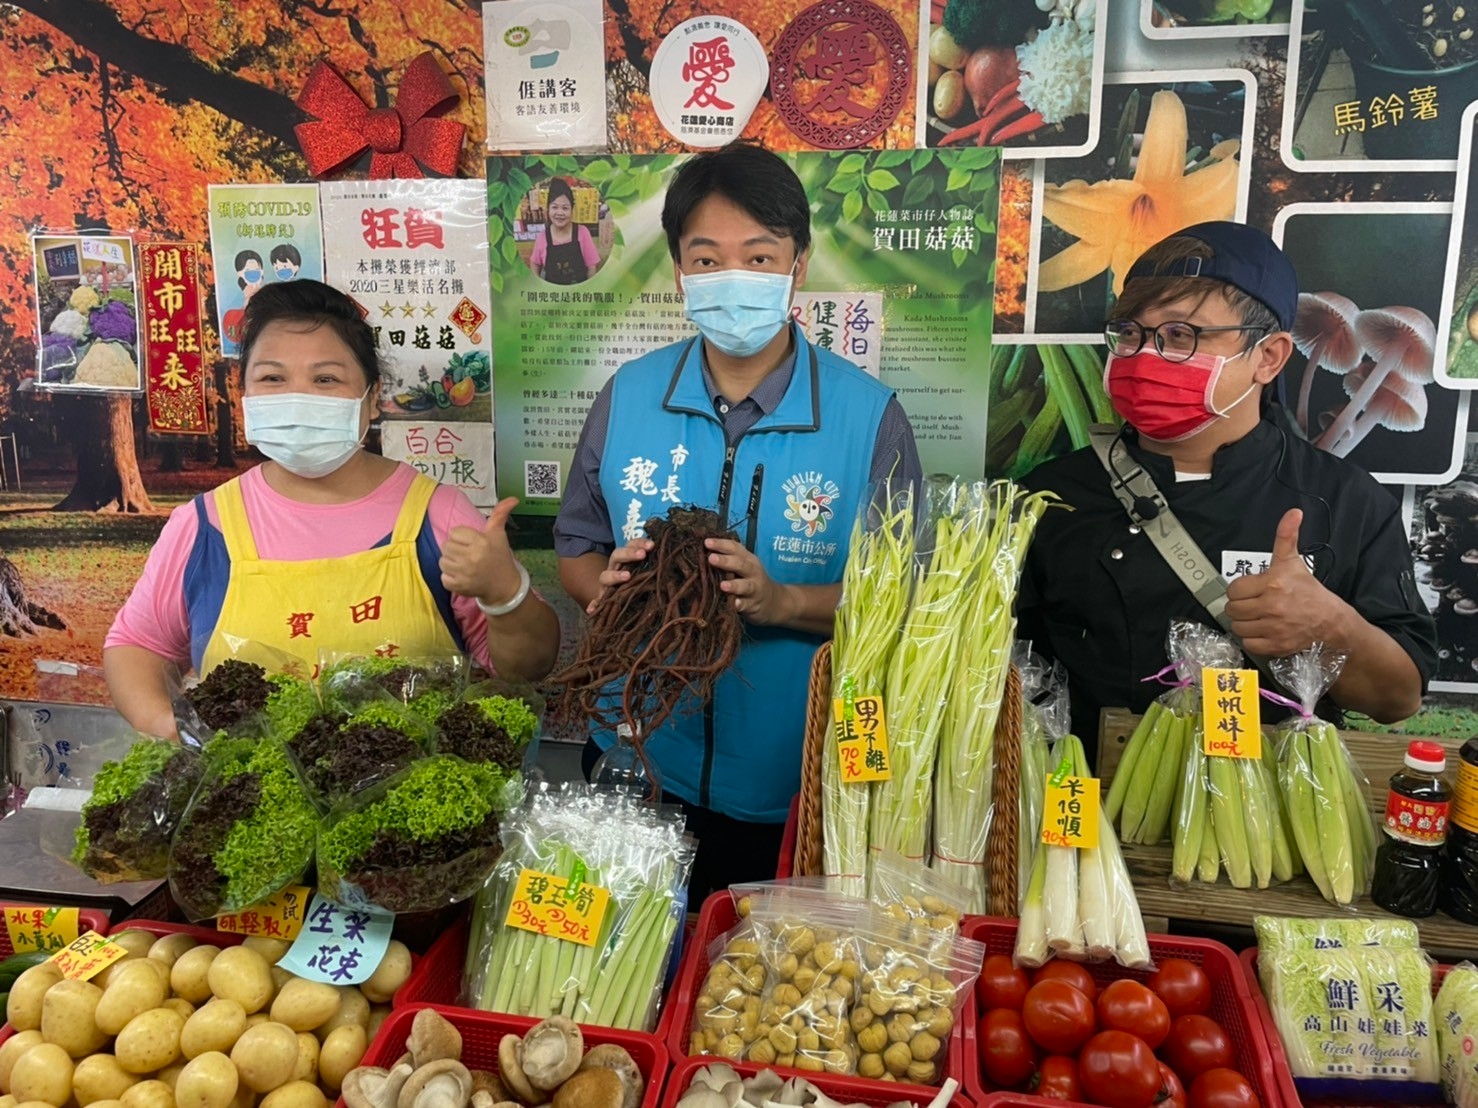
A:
(1241, 563)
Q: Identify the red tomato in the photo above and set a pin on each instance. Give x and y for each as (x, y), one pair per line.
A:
(1196, 1044)
(1223, 1088)
(1172, 1092)
(1129, 1006)
(1006, 1052)
(1183, 986)
(1058, 1017)
(1119, 1071)
(1074, 974)
(1057, 1079)
(1001, 984)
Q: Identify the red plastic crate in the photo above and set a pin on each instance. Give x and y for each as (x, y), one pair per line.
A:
(847, 1090)
(483, 1031)
(1287, 1091)
(437, 976)
(718, 916)
(1232, 1006)
(786, 867)
(88, 919)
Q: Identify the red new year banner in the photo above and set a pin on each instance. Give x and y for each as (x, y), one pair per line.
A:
(172, 333)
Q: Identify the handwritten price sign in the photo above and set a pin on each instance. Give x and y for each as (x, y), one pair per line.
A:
(561, 908)
(86, 957)
(35, 929)
(861, 730)
(281, 917)
(1229, 704)
(1070, 813)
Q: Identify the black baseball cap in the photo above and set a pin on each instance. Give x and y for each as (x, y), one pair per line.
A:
(1243, 257)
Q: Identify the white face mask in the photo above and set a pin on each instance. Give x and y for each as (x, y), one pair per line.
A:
(310, 436)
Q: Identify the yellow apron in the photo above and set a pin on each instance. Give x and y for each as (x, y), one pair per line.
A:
(372, 603)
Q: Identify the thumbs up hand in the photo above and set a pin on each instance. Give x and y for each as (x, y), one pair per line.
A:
(481, 564)
(1284, 609)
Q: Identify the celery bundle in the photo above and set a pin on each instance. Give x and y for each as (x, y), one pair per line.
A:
(875, 588)
(1321, 788)
(581, 837)
(1080, 903)
(962, 789)
(1457, 1028)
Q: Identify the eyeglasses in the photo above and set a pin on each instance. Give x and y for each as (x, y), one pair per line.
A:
(1175, 340)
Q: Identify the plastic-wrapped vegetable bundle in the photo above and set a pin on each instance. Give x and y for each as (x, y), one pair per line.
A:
(1080, 902)
(124, 829)
(1456, 1010)
(247, 833)
(423, 839)
(339, 756)
(499, 730)
(243, 699)
(875, 590)
(1322, 787)
(426, 686)
(1279, 933)
(639, 854)
(1044, 716)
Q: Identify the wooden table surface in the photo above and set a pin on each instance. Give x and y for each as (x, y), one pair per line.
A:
(1378, 756)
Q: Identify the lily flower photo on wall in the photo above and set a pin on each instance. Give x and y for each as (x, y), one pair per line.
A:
(1169, 155)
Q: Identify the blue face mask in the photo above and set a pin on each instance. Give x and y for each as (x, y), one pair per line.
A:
(311, 436)
(285, 273)
(738, 310)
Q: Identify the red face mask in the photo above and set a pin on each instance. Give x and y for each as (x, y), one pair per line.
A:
(1164, 400)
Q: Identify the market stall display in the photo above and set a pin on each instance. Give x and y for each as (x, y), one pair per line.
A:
(697, 1083)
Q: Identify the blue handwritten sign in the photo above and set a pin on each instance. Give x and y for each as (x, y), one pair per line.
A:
(338, 945)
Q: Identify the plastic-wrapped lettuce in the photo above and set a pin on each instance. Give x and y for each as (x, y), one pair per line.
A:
(1355, 1013)
(1279, 933)
(124, 829)
(1456, 1010)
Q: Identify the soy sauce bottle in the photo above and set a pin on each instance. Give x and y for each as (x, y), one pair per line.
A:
(1460, 855)
(1408, 863)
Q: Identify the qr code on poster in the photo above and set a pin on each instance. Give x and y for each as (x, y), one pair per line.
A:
(541, 479)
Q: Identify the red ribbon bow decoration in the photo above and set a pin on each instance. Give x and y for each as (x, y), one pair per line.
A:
(400, 136)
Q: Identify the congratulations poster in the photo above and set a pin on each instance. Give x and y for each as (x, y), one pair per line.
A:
(915, 228)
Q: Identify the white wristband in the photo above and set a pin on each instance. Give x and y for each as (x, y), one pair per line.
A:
(518, 597)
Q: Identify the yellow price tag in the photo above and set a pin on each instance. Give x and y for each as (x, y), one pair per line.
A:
(861, 729)
(1233, 718)
(281, 917)
(561, 908)
(35, 929)
(86, 956)
(1070, 813)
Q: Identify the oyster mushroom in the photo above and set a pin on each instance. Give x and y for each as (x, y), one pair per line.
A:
(551, 1052)
(433, 1038)
(1401, 340)
(592, 1088)
(373, 1087)
(1324, 332)
(716, 1076)
(510, 1070)
(618, 1061)
(702, 1096)
(444, 1083)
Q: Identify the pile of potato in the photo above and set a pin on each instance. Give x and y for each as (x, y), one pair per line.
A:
(181, 1024)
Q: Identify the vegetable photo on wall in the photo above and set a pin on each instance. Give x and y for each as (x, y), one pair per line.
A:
(1020, 74)
(1193, 18)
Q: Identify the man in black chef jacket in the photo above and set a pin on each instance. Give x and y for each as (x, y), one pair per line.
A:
(1311, 549)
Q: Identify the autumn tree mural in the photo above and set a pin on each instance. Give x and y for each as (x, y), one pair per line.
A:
(115, 115)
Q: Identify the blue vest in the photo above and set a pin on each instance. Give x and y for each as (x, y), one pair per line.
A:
(665, 447)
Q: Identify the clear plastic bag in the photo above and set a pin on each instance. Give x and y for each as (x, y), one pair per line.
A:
(425, 686)
(726, 1011)
(1045, 715)
(500, 728)
(247, 833)
(1456, 1012)
(911, 892)
(258, 692)
(1322, 788)
(124, 828)
(875, 591)
(640, 854)
(423, 839)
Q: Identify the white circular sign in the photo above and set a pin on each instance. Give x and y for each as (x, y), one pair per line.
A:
(707, 78)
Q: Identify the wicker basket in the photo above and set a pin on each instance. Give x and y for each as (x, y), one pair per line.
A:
(1000, 846)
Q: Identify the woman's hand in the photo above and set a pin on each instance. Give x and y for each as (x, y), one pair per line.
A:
(481, 564)
(616, 572)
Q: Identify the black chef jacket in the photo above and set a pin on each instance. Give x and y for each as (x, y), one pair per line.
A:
(1097, 596)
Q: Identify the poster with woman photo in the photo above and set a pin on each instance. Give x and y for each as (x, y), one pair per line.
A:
(564, 230)
(1378, 87)
(1361, 382)
(87, 309)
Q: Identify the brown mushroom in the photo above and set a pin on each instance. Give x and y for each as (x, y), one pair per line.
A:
(592, 1088)
(1324, 332)
(433, 1038)
(510, 1070)
(373, 1087)
(551, 1052)
(618, 1061)
(1401, 340)
(444, 1083)
(485, 1081)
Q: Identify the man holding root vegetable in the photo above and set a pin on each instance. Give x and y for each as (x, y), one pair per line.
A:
(782, 439)
(1245, 523)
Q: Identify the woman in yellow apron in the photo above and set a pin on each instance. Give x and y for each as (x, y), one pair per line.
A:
(325, 548)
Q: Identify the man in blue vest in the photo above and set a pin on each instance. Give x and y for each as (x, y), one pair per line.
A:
(783, 439)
